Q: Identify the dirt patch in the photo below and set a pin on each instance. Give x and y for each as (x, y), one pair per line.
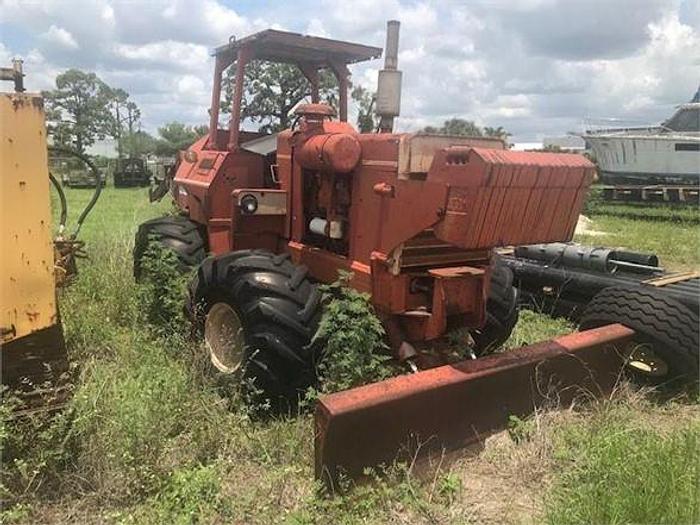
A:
(585, 226)
(504, 482)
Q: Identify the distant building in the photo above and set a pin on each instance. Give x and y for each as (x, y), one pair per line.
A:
(104, 148)
(526, 146)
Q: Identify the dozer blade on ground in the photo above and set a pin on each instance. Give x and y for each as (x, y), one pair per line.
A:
(458, 405)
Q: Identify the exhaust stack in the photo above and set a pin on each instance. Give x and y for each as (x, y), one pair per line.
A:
(389, 85)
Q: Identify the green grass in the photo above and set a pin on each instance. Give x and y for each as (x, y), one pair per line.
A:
(150, 437)
(614, 470)
(672, 232)
(533, 327)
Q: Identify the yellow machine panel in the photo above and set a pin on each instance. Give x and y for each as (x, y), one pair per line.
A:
(27, 282)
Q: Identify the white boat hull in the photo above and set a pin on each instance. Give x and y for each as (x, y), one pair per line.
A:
(646, 159)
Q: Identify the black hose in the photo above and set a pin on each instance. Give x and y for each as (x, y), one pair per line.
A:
(98, 188)
(62, 198)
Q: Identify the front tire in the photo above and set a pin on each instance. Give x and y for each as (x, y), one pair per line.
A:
(175, 233)
(267, 310)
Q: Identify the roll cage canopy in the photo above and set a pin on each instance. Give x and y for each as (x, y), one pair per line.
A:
(283, 46)
(308, 53)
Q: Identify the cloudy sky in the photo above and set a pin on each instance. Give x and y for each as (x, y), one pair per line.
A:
(535, 67)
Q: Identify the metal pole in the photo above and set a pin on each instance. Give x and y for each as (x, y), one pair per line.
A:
(343, 102)
(215, 101)
(19, 75)
(241, 62)
(342, 73)
(391, 59)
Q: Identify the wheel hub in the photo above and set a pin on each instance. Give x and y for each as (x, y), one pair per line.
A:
(223, 334)
(642, 358)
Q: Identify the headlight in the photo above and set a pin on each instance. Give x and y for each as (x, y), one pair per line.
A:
(248, 204)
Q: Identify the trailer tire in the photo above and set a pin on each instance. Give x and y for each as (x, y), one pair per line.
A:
(501, 310)
(276, 308)
(667, 327)
(176, 233)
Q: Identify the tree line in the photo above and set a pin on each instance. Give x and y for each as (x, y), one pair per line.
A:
(271, 91)
(83, 109)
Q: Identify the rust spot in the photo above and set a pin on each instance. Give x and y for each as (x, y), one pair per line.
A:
(32, 316)
(22, 184)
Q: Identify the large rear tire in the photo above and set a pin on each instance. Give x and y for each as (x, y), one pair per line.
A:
(665, 350)
(175, 233)
(258, 312)
(501, 310)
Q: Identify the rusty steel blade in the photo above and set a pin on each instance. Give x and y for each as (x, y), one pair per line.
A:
(458, 405)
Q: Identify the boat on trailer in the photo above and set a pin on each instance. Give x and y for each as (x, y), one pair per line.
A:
(654, 163)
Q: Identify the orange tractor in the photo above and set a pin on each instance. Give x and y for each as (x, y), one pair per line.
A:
(415, 218)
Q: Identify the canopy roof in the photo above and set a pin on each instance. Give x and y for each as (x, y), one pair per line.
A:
(283, 46)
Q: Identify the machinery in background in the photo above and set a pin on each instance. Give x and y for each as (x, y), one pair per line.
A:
(131, 172)
(73, 172)
(32, 263)
(591, 285)
(80, 179)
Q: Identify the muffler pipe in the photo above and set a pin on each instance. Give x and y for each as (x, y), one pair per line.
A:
(389, 83)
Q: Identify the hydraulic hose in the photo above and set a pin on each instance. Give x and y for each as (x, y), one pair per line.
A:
(98, 187)
(64, 204)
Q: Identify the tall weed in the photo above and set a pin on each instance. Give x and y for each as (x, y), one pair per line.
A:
(352, 337)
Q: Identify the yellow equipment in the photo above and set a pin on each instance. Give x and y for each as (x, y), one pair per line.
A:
(32, 348)
(33, 264)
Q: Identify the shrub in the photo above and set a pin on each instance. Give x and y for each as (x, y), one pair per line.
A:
(354, 352)
(163, 291)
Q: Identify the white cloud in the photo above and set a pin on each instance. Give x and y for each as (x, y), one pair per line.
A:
(315, 27)
(60, 37)
(167, 53)
(536, 67)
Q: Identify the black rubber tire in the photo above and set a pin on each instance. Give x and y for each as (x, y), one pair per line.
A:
(671, 327)
(501, 310)
(280, 309)
(176, 233)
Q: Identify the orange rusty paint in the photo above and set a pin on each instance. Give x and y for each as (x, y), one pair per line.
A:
(339, 152)
(457, 405)
(418, 216)
(500, 198)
